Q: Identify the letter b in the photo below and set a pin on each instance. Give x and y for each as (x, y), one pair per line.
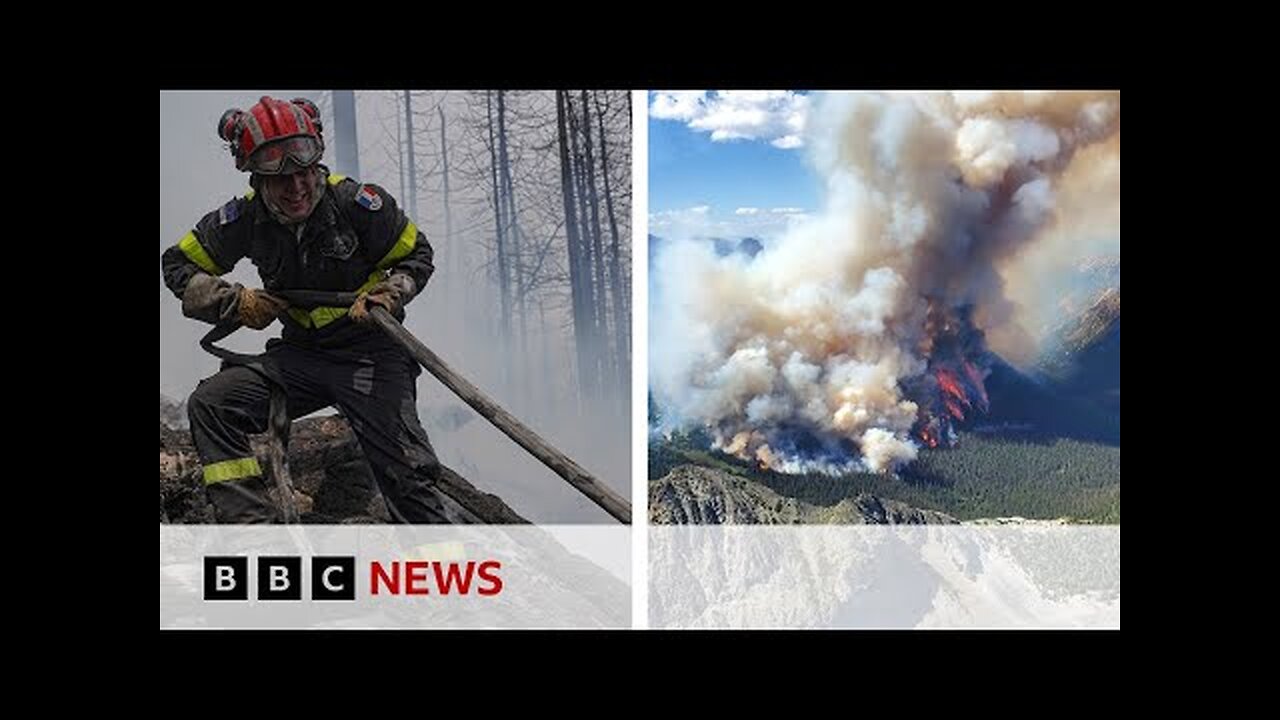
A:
(226, 578)
(279, 578)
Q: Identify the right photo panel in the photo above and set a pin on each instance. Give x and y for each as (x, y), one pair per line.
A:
(884, 359)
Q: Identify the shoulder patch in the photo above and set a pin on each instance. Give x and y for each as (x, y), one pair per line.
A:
(229, 212)
(368, 198)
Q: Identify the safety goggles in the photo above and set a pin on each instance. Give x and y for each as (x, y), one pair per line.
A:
(302, 151)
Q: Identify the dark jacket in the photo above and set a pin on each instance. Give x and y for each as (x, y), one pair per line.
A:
(355, 237)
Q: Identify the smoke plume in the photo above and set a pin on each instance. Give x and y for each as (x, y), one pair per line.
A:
(844, 344)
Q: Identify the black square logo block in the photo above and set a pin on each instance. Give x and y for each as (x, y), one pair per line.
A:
(333, 578)
(226, 578)
(279, 578)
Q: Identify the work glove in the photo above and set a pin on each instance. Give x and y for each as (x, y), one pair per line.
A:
(211, 299)
(391, 294)
(259, 308)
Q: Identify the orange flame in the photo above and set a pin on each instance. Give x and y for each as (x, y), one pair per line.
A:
(928, 438)
(949, 382)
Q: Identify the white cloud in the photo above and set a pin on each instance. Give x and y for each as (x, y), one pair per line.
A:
(684, 224)
(702, 221)
(774, 116)
(680, 218)
(677, 105)
(696, 210)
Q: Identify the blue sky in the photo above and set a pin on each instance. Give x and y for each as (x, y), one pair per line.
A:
(728, 164)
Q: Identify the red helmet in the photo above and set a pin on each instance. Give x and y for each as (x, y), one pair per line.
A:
(273, 134)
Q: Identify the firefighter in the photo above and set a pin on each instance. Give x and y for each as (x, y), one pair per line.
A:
(305, 229)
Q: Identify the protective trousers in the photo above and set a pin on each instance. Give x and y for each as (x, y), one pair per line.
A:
(375, 389)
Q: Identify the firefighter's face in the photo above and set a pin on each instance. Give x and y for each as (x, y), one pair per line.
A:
(294, 193)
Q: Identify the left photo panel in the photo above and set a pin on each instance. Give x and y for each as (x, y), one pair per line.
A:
(384, 316)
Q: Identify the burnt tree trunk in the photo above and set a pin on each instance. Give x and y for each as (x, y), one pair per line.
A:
(580, 340)
(500, 232)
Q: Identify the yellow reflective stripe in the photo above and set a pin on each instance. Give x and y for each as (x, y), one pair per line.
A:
(335, 179)
(191, 247)
(374, 278)
(231, 470)
(318, 317)
(404, 246)
(301, 316)
(321, 316)
(249, 195)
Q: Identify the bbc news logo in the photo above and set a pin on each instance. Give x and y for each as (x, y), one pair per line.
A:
(279, 578)
(334, 578)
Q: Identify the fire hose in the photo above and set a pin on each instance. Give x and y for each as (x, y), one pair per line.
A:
(573, 473)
